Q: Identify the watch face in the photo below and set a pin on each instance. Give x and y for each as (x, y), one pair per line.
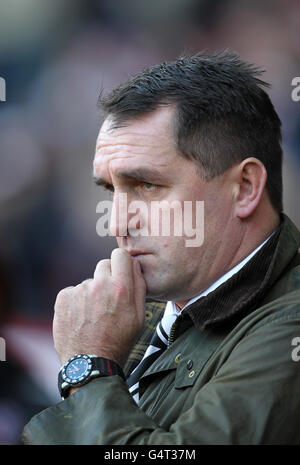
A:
(77, 370)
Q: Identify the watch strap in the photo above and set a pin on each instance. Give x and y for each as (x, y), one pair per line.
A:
(107, 367)
(101, 367)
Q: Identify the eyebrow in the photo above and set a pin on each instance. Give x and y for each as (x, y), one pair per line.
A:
(139, 174)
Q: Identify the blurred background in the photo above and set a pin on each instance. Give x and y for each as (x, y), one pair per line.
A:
(55, 57)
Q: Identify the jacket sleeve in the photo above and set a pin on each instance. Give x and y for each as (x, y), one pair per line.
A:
(252, 399)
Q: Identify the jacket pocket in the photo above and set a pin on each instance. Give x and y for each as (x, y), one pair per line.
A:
(189, 369)
(155, 388)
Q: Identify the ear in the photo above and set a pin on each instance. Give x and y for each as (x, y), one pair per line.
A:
(250, 181)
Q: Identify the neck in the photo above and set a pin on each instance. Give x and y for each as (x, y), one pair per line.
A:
(252, 238)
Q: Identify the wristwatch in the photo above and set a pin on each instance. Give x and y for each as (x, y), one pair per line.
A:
(82, 368)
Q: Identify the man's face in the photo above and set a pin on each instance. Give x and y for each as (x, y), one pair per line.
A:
(141, 161)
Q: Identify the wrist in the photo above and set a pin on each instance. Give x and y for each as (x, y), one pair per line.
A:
(81, 369)
(73, 390)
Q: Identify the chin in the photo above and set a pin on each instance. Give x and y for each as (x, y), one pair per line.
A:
(159, 285)
(156, 290)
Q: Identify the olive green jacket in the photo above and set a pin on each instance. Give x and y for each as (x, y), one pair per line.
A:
(232, 383)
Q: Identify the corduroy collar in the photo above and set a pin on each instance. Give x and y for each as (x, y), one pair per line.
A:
(237, 296)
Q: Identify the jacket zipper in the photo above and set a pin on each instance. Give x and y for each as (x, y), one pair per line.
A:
(172, 331)
(173, 328)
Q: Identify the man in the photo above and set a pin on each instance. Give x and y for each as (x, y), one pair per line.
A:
(222, 370)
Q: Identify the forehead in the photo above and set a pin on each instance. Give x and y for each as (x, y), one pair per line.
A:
(146, 141)
(148, 126)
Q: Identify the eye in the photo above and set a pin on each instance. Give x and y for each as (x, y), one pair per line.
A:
(148, 185)
(145, 188)
(109, 188)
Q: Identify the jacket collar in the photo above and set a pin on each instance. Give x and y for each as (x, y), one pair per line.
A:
(237, 296)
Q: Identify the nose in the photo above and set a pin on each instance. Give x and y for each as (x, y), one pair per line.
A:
(119, 221)
(120, 224)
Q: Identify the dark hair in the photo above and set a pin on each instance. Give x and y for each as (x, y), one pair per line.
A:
(222, 113)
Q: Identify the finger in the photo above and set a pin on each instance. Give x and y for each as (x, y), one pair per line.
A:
(122, 267)
(85, 282)
(139, 287)
(63, 291)
(103, 268)
(61, 296)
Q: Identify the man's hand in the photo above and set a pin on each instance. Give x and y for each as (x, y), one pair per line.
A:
(104, 315)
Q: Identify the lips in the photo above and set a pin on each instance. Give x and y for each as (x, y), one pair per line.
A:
(134, 253)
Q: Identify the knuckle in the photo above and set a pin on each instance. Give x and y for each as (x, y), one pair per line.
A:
(115, 251)
(101, 267)
(63, 293)
(119, 252)
(86, 282)
(103, 264)
(63, 298)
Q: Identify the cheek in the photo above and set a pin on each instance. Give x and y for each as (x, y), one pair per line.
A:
(174, 250)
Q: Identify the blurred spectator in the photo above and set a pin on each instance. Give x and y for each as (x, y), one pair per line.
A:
(26, 374)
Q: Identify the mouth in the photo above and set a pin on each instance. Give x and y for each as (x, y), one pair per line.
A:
(137, 253)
